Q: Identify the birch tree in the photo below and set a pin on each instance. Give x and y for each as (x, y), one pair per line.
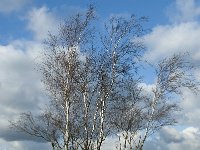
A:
(151, 111)
(94, 89)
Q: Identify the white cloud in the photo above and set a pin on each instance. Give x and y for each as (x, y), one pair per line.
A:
(7, 6)
(110, 143)
(41, 21)
(189, 116)
(184, 11)
(165, 40)
(21, 89)
(169, 39)
(148, 88)
(170, 138)
(180, 36)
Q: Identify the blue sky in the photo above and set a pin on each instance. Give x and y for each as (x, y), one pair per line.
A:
(13, 22)
(174, 27)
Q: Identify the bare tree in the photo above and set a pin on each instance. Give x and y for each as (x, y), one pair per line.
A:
(152, 111)
(66, 75)
(43, 126)
(95, 90)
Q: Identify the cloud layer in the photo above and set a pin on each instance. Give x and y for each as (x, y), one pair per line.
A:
(169, 39)
(184, 11)
(180, 36)
(41, 21)
(21, 89)
(173, 139)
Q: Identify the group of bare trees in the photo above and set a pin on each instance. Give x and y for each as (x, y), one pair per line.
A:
(94, 89)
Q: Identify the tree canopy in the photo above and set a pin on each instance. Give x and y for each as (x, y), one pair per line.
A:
(91, 77)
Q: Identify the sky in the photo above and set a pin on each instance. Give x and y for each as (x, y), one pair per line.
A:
(174, 27)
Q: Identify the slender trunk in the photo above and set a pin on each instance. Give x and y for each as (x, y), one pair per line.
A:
(53, 146)
(66, 107)
(101, 134)
(154, 102)
(113, 67)
(66, 136)
(86, 143)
